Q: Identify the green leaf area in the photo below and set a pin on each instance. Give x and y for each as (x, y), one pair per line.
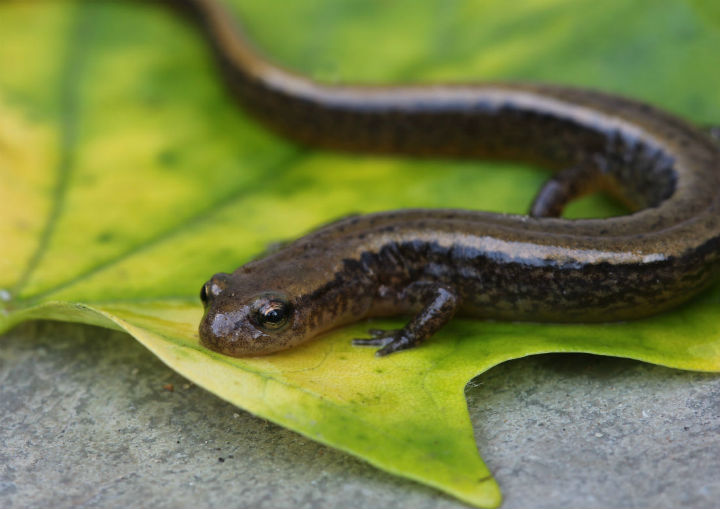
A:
(128, 176)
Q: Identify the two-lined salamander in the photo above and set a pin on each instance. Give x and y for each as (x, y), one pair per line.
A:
(434, 264)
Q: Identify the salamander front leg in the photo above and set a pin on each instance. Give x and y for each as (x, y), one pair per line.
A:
(562, 188)
(440, 307)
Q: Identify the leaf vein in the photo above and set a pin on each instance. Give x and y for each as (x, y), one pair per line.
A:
(164, 235)
(72, 69)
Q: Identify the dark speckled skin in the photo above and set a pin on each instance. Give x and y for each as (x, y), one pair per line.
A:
(435, 263)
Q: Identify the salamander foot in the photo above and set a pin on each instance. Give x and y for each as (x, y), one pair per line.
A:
(440, 306)
(392, 340)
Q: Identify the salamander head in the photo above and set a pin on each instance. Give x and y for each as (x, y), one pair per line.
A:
(241, 320)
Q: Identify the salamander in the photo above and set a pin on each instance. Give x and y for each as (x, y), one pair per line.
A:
(435, 264)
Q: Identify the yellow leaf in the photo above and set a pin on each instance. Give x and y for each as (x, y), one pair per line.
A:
(128, 176)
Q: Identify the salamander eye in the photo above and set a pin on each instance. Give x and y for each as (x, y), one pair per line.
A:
(272, 313)
(213, 288)
(204, 294)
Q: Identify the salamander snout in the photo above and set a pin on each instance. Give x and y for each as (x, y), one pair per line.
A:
(239, 325)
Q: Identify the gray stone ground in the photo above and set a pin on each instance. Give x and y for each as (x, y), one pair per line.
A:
(85, 421)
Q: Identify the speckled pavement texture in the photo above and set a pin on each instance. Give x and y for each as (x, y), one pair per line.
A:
(85, 421)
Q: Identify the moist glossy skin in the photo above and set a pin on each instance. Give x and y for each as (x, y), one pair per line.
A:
(434, 264)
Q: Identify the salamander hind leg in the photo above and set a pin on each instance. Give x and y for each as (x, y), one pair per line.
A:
(440, 306)
(714, 132)
(561, 189)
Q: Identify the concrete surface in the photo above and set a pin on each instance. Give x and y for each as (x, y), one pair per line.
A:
(85, 422)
